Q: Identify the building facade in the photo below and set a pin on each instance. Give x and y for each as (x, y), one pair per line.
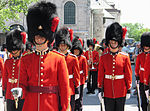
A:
(87, 18)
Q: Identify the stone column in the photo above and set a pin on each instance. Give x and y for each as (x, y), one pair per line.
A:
(98, 29)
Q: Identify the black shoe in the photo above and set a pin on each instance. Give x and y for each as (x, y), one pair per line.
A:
(93, 92)
(88, 92)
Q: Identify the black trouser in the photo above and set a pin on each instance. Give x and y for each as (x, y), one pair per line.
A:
(79, 102)
(93, 75)
(116, 104)
(72, 102)
(12, 107)
(144, 102)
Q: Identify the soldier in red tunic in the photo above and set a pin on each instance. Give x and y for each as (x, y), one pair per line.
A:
(1, 67)
(43, 74)
(11, 73)
(114, 73)
(63, 42)
(77, 49)
(92, 57)
(139, 68)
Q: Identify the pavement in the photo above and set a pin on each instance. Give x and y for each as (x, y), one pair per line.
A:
(91, 101)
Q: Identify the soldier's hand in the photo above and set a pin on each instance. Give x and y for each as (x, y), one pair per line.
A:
(76, 96)
(128, 94)
(17, 92)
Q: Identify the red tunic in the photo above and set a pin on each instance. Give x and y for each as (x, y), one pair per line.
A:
(139, 66)
(83, 69)
(95, 59)
(45, 70)
(1, 67)
(74, 75)
(10, 76)
(115, 74)
(147, 70)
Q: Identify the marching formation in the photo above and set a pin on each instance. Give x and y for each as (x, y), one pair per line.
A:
(46, 69)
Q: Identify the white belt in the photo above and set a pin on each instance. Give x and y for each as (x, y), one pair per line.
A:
(81, 72)
(12, 81)
(70, 76)
(142, 69)
(114, 77)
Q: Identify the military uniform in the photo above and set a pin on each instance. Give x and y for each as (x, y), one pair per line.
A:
(10, 80)
(139, 73)
(45, 81)
(94, 55)
(11, 73)
(114, 72)
(147, 70)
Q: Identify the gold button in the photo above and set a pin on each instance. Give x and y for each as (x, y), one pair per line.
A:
(13, 63)
(40, 93)
(113, 59)
(42, 62)
(113, 74)
(41, 79)
(113, 66)
(113, 56)
(113, 62)
(42, 74)
(13, 67)
(14, 60)
(113, 70)
(42, 57)
(12, 77)
(41, 67)
(13, 71)
(42, 85)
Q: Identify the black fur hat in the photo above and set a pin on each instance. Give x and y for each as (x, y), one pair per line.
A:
(114, 32)
(63, 36)
(42, 20)
(14, 40)
(90, 42)
(145, 39)
(77, 43)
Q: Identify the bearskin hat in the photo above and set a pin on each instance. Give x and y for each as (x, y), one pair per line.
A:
(77, 43)
(42, 20)
(64, 36)
(145, 39)
(90, 42)
(14, 40)
(114, 32)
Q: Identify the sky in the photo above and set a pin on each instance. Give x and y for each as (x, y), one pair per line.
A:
(134, 11)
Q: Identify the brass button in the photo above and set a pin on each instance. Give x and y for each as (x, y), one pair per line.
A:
(41, 67)
(42, 57)
(42, 74)
(42, 85)
(41, 79)
(42, 62)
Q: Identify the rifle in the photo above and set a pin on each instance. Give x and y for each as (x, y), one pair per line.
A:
(138, 97)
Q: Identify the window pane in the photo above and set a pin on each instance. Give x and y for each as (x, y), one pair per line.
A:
(69, 13)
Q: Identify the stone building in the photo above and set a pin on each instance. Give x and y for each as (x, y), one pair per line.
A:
(88, 18)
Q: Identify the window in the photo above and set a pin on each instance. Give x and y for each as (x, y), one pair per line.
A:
(69, 13)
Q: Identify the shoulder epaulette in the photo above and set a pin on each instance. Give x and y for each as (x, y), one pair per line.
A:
(83, 56)
(27, 53)
(58, 53)
(72, 55)
(123, 53)
(104, 53)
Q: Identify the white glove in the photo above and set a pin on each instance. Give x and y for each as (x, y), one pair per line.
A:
(76, 96)
(128, 96)
(147, 93)
(100, 96)
(17, 92)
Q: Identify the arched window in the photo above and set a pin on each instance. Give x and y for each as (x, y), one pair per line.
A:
(69, 13)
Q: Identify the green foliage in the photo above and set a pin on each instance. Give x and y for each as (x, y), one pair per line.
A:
(135, 30)
(11, 9)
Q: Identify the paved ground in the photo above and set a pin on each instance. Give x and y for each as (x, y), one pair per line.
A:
(91, 101)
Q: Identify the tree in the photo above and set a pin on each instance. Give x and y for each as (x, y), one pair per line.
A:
(135, 30)
(11, 9)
